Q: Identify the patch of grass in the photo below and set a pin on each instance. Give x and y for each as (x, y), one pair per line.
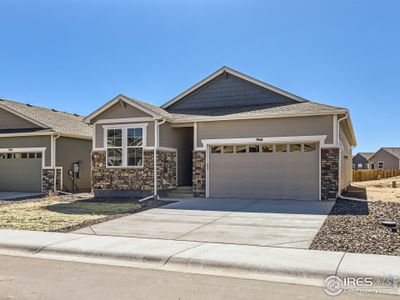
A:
(56, 212)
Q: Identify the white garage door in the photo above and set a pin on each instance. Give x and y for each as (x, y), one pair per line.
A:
(20, 172)
(273, 171)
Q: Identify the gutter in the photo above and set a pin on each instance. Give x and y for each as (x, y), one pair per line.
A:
(340, 153)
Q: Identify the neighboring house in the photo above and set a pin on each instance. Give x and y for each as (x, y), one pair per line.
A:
(360, 160)
(36, 143)
(229, 135)
(386, 158)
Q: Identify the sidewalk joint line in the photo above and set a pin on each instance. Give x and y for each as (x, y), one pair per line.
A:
(60, 242)
(337, 268)
(180, 252)
(217, 219)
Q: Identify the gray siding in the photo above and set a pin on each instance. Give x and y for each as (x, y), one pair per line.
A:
(69, 151)
(28, 142)
(182, 140)
(119, 111)
(389, 161)
(99, 138)
(358, 159)
(318, 125)
(346, 158)
(11, 121)
(228, 91)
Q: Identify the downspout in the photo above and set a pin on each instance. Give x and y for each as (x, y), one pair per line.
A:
(340, 164)
(54, 160)
(156, 142)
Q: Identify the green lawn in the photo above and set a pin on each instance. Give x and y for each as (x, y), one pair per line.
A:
(55, 213)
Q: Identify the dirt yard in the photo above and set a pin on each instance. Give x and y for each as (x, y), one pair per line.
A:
(376, 190)
(63, 213)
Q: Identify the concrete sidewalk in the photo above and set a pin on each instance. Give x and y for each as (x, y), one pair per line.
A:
(252, 262)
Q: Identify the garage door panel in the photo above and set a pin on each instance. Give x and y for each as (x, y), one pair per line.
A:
(277, 175)
(20, 175)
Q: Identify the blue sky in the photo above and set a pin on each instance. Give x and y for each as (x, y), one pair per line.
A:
(76, 55)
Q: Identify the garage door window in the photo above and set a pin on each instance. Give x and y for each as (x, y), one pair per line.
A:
(281, 148)
(241, 149)
(19, 155)
(295, 147)
(309, 147)
(267, 148)
(254, 148)
(216, 149)
(228, 149)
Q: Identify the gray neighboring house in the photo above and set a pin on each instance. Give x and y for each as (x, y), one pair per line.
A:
(361, 160)
(386, 158)
(229, 135)
(38, 147)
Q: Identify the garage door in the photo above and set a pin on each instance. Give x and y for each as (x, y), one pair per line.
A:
(20, 172)
(273, 171)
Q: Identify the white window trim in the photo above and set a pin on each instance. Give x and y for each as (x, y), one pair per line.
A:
(124, 146)
(383, 165)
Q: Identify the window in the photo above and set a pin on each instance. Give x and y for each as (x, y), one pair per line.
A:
(295, 147)
(267, 148)
(359, 166)
(216, 149)
(353, 166)
(281, 148)
(125, 146)
(241, 149)
(254, 148)
(228, 149)
(367, 166)
(135, 147)
(114, 147)
(310, 147)
(380, 165)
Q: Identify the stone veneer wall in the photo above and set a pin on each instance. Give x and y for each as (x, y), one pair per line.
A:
(199, 173)
(329, 173)
(135, 179)
(47, 180)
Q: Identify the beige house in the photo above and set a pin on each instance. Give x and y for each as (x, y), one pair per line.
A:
(229, 135)
(385, 158)
(39, 148)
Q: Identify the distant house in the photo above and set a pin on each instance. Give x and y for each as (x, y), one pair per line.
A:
(39, 148)
(386, 158)
(361, 160)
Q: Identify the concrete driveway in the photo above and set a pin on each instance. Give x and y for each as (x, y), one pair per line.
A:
(280, 223)
(17, 195)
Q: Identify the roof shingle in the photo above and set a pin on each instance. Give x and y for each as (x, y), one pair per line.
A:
(59, 122)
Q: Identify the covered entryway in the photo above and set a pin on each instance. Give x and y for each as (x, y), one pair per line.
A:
(21, 172)
(265, 171)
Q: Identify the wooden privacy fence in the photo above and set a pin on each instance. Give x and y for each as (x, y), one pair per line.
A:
(365, 175)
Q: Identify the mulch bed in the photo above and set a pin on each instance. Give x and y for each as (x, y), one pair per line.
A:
(354, 226)
(149, 204)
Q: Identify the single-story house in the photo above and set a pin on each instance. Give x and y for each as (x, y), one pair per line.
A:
(361, 160)
(229, 135)
(385, 158)
(39, 147)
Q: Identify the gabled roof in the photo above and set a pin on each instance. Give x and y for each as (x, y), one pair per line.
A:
(154, 111)
(49, 119)
(366, 155)
(237, 74)
(395, 151)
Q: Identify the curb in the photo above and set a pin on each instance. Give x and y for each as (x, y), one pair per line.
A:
(298, 266)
